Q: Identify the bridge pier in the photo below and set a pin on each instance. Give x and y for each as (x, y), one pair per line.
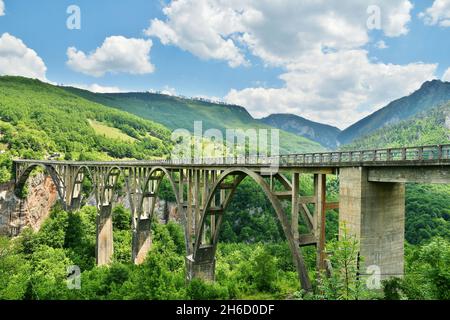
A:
(142, 241)
(104, 243)
(204, 265)
(374, 213)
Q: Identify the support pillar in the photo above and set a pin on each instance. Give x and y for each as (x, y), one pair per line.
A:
(141, 241)
(204, 265)
(374, 212)
(320, 181)
(104, 245)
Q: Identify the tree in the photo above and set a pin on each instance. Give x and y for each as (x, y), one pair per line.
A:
(344, 282)
(264, 270)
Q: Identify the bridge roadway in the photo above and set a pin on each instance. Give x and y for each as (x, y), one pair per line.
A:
(371, 199)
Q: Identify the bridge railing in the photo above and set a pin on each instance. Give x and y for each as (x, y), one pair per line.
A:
(422, 153)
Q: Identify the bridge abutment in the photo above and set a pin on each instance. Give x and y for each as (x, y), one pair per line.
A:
(375, 214)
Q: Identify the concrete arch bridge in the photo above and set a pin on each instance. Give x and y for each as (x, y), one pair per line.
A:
(371, 203)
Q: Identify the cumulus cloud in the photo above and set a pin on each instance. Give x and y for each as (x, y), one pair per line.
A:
(18, 60)
(337, 88)
(275, 31)
(202, 27)
(437, 14)
(94, 87)
(2, 8)
(116, 55)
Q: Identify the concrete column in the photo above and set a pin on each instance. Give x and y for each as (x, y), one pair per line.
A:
(141, 241)
(202, 266)
(375, 213)
(104, 245)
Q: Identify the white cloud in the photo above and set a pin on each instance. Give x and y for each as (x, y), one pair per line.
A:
(446, 76)
(94, 87)
(202, 28)
(276, 31)
(18, 60)
(117, 54)
(327, 76)
(381, 45)
(2, 8)
(336, 88)
(437, 14)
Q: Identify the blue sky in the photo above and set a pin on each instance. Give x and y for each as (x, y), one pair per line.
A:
(256, 54)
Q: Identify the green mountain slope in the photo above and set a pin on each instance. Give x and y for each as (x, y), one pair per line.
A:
(431, 94)
(176, 112)
(38, 119)
(430, 127)
(326, 135)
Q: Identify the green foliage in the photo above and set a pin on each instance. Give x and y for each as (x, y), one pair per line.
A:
(38, 119)
(427, 274)
(5, 167)
(14, 272)
(256, 270)
(121, 218)
(427, 212)
(344, 282)
(49, 274)
(80, 237)
(200, 290)
(122, 246)
(53, 230)
(264, 269)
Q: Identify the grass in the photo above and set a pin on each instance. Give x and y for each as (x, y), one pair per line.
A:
(110, 132)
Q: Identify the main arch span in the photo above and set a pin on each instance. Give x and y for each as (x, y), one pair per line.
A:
(371, 204)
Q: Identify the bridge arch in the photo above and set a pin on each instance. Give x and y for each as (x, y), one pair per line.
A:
(141, 225)
(165, 174)
(106, 185)
(58, 181)
(202, 260)
(106, 182)
(76, 186)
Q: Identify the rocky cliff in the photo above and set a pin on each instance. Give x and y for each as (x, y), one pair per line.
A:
(15, 213)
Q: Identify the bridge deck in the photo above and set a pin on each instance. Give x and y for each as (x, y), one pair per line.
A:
(435, 155)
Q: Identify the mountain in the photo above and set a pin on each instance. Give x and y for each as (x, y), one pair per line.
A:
(38, 119)
(176, 112)
(431, 94)
(326, 135)
(427, 128)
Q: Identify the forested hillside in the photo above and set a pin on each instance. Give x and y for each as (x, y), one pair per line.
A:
(431, 94)
(176, 112)
(38, 120)
(428, 127)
